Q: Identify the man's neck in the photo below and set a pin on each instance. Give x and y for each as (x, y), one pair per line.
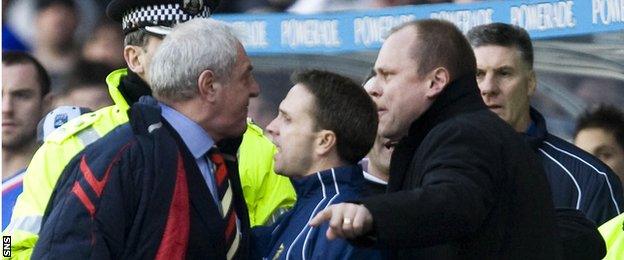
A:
(324, 164)
(375, 171)
(523, 124)
(14, 160)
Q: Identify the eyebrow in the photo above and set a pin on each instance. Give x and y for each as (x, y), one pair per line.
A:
(603, 148)
(283, 112)
(21, 91)
(504, 67)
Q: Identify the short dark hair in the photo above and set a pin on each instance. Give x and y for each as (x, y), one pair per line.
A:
(137, 38)
(440, 43)
(606, 117)
(10, 58)
(343, 107)
(506, 35)
(43, 4)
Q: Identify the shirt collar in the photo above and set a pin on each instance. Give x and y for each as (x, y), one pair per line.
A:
(350, 175)
(193, 135)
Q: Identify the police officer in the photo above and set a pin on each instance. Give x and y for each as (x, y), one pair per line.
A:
(145, 23)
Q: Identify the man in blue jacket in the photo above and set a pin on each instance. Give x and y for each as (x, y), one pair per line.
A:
(507, 81)
(325, 125)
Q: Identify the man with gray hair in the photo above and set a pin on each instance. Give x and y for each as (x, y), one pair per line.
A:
(165, 185)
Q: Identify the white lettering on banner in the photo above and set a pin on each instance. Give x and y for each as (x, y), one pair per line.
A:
(543, 16)
(310, 33)
(369, 30)
(609, 11)
(466, 19)
(252, 34)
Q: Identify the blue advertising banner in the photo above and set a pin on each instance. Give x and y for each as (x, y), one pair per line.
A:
(353, 31)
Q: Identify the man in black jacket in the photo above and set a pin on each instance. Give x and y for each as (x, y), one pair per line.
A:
(462, 183)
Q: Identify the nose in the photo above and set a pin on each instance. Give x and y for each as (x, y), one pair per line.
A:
(488, 86)
(254, 89)
(7, 104)
(372, 88)
(272, 130)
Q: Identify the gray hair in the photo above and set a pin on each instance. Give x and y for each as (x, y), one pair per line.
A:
(187, 51)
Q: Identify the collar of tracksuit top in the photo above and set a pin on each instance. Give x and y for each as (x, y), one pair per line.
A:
(537, 132)
(314, 193)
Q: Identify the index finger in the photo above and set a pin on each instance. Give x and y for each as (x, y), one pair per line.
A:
(321, 217)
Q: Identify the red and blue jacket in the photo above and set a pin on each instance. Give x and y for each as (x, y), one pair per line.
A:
(137, 194)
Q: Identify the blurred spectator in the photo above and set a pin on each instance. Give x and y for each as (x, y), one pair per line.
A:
(21, 17)
(263, 109)
(253, 6)
(10, 41)
(316, 6)
(105, 45)
(25, 87)
(260, 111)
(86, 88)
(601, 133)
(507, 82)
(54, 47)
(595, 90)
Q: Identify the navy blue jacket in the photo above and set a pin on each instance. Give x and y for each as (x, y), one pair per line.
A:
(292, 238)
(577, 179)
(137, 193)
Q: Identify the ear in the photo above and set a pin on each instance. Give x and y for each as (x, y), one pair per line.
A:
(131, 54)
(532, 84)
(207, 86)
(439, 78)
(47, 102)
(325, 142)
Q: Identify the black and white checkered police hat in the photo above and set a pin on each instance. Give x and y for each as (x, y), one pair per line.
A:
(157, 16)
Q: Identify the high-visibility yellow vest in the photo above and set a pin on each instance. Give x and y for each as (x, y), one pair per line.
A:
(267, 194)
(613, 234)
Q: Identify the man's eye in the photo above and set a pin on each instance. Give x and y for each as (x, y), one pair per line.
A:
(603, 156)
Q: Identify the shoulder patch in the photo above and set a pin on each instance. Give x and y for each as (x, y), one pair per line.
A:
(74, 126)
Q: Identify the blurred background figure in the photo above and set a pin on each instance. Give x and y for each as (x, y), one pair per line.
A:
(86, 87)
(601, 133)
(25, 88)
(54, 46)
(106, 45)
(10, 41)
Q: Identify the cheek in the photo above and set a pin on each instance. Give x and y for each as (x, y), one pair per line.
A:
(28, 109)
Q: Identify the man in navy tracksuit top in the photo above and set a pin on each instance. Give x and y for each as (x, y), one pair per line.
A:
(507, 81)
(325, 125)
